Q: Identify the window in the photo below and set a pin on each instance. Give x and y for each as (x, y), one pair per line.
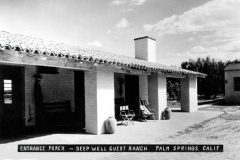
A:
(7, 91)
(236, 81)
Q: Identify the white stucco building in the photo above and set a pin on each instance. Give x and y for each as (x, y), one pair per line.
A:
(94, 83)
(232, 84)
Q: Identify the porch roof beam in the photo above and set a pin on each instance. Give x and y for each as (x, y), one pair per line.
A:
(20, 58)
(175, 75)
(124, 70)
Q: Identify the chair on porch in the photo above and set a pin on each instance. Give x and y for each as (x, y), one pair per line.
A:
(126, 115)
(145, 110)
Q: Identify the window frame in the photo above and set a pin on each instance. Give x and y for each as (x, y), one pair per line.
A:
(236, 83)
(8, 84)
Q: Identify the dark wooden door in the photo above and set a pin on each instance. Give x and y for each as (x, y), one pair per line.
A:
(11, 105)
(79, 97)
(132, 92)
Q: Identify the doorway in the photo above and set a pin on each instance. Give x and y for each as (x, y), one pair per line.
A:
(79, 97)
(132, 93)
(12, 95)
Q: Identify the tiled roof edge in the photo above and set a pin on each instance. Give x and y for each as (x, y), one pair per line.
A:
(124, 60)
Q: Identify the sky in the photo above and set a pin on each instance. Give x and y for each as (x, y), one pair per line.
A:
(184, 29)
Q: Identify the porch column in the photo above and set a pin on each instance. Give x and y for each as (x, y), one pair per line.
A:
(99, 97)
(157, 93)
(189, 102)
(143, 87)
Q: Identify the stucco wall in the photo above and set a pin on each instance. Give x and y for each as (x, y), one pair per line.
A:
(232, 97)
(189, 102)
(143, 87)
(58, 87)
(55, 88)
(145, 49)
(99, 93)
(29, 95)
(157, 93)
(141, 49)
(151, 50)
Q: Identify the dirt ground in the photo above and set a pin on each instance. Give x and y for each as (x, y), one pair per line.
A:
(223, 129)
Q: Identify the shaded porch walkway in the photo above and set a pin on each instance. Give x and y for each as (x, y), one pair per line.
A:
(139, 133)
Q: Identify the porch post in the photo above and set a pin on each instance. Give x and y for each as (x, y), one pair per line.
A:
(99, 99)
(143, 87)
(189, 102)
(157, 93)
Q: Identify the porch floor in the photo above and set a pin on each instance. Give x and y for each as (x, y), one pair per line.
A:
(139, 133)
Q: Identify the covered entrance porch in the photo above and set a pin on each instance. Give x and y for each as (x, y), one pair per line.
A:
(90, 95)
(40, 97)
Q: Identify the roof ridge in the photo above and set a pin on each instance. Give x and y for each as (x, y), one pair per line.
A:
(14, 41)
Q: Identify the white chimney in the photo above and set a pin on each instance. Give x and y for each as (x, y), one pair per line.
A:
(145, 48)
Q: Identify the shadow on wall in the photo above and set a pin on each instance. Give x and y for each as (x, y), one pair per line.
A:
(38, 96)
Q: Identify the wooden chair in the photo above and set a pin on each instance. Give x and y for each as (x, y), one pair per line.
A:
(145, 110)
(126, 115)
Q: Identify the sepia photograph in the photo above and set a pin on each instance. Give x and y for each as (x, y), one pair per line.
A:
(119, 79)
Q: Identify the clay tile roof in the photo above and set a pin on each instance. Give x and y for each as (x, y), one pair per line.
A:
(22, 43)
